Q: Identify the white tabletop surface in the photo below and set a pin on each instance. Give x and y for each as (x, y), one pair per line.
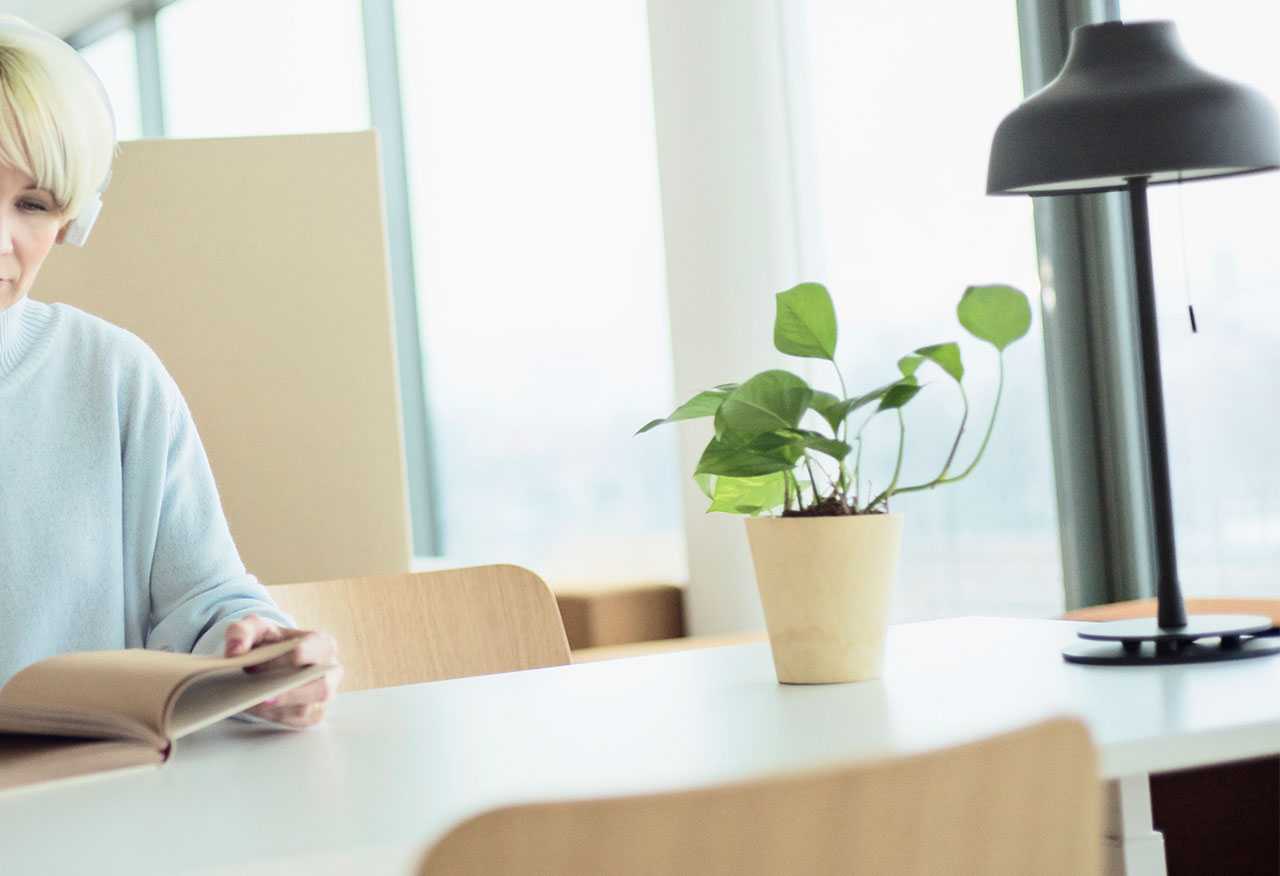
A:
(393, 768)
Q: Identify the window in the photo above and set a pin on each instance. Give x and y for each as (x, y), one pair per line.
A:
(541, 284)
(1214, 246)
(245, 67)
(114, 59)
(905, 99)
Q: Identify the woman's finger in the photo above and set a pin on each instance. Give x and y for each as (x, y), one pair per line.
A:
(315, 648)
(300, 715)
(247, 632)
(312, 692)
(303, 706)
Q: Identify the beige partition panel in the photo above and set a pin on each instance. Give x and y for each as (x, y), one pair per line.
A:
(257, 269)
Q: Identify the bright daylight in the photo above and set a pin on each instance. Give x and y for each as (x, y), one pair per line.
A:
(639, 437)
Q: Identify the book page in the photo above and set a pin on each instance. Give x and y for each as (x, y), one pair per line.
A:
(213, 696)
(137, 686)
(56, 721)
(37, 760)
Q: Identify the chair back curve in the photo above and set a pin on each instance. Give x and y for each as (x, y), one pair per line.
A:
(430, 626)
(1027, 801)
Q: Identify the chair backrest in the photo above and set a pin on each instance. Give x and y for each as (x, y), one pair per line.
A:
(257, 269)
(429, 626)
(1023, 802)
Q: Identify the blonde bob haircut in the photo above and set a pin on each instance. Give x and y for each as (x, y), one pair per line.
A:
(56, 124)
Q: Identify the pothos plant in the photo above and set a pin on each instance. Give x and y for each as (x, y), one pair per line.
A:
(761, 458)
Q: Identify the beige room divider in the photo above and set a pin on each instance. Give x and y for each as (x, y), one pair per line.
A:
(257, 269)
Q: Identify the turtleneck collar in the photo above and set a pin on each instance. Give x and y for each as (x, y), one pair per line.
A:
(22, 325)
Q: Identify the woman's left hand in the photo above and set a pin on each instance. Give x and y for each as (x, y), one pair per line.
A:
(303, 706)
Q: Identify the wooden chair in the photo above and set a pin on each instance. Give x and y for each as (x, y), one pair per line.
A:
(429, 626)
(1024, 802)
(1137, 608)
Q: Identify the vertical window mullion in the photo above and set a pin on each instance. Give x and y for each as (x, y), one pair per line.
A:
(386, 115)
(1096, 420)
(150, 77)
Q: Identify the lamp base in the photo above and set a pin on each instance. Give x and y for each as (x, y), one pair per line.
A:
(1145, 643)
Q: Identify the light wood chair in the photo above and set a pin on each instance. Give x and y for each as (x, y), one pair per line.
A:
(1024, 802)
(429, 626)
(1137, 608)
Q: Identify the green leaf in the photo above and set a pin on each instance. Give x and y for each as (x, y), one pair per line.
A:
(898, 395)
(748, 495)
(770, 401)
(945, 356)
(805, 324)
(908, 365)
(839, 412)
(704, 404)
(997, 314)
(706, 483)
(875, 394)
(837, 450)
(767, 454)
(829, 407)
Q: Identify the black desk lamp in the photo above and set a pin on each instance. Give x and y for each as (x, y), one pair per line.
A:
(1130, 110)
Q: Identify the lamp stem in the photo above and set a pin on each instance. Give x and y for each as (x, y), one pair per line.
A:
(1170, 612)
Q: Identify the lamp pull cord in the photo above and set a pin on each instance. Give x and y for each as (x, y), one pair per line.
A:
(1186, 271)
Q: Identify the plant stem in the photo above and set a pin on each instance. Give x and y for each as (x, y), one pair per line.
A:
(786, 492)
(844, 396)
(897, 467)
(857, 460)
(990, 426)
(995, 408)
(813, 481)
(955, 445)
(857, 466)
(835, 485)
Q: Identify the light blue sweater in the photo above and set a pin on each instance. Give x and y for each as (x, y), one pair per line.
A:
(111, 531)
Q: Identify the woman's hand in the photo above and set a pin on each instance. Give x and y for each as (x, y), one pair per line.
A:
(303, 706)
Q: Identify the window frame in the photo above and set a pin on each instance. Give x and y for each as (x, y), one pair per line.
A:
(1097, 421)
(1097, 427)
(386, 116)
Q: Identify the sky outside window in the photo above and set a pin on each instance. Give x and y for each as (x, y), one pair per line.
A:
(538, 243)
(901, 177)
(1214, 246)
(114, 59)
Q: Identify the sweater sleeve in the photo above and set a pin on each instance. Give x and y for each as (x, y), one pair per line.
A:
(199, 585)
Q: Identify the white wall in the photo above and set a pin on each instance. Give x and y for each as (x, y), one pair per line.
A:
(729, 213)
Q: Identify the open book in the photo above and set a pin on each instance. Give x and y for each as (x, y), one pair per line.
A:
(83, 713)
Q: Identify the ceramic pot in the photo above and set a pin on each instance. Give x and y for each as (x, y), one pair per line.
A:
(825, 585)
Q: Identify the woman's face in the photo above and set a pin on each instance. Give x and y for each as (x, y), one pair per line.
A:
(30, 224)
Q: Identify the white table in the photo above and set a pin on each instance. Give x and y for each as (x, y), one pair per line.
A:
(393, 769)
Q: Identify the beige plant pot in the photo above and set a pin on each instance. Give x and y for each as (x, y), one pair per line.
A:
(825, 585)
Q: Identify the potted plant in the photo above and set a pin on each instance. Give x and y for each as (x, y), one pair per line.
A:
(826, 547)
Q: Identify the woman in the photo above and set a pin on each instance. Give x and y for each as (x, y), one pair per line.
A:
(111, 531)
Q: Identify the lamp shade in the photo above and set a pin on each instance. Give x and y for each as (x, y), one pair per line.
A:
(1130, 103)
